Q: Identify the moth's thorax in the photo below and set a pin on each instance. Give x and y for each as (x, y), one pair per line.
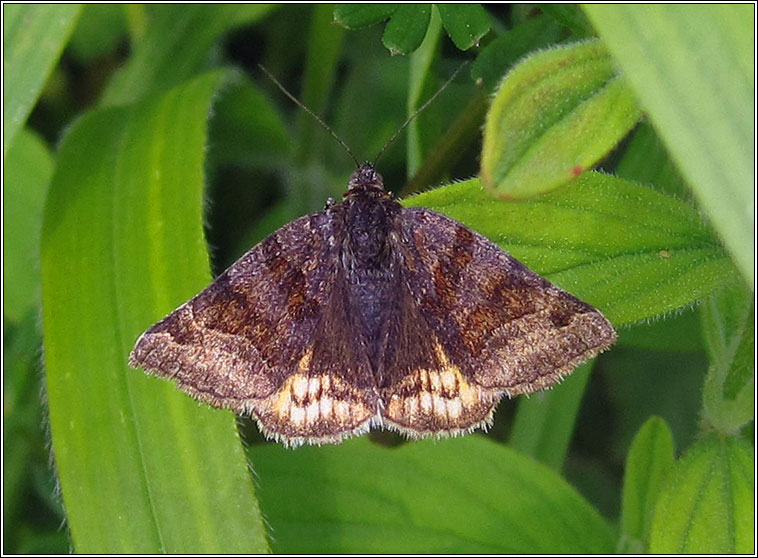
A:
(370, 214)
(368, 224)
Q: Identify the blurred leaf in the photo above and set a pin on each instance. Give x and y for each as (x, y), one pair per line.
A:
(692, 68)
(355, 16)
(371, 105)
(41, 544)
(33, 38)
(320, 72)
(174, 46)
(23, 440)
(729, 330)
(676, 332)
(544, 421)
(631, 251)
(464, 23)
(646, 160)
(98, 31)
(707, 505)
(650, 459)
(28, 167)
(555, 115)
(310, 180)
(571, 16)
(142, 467)
(499, 55)
(640, 383)
(465, 495)
(420, 80)
(407, 28)
(246, 130)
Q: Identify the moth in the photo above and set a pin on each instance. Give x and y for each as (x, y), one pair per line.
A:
(369, 314)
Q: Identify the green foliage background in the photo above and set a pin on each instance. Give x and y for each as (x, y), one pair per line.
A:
(137, 136)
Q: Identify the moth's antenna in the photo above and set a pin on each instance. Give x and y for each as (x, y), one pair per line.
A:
(313, 114)
(417, 112)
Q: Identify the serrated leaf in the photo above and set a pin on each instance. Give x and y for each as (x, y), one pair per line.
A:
(707, 505)
(465, 23)
(692, 68)
(631, 251)
(27, 172)
(729, 331)
(356, 16)
(33, 39)
(464, 495)
(407, 28)
(555, 115)
(142, 467)
(650, 458)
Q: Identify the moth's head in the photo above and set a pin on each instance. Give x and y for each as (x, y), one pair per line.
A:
(365, 178)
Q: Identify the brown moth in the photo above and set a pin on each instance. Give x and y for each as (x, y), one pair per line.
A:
(371, 314)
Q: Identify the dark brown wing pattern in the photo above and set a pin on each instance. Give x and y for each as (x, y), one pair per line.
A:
(266, 338)
(367, 314)
(487, 325)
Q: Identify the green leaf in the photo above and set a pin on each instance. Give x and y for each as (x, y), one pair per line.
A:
(650, 459)
(356, 16)
(28, 168)
(544, 421)
(570, 16)
(678, 332)
(33, 39)
(23, 440)
(174, 46)
(707, 506)
(98, 31)
(420, 79)
(631, 251)
(311, 181)
(646, 160)
(692, 69)
(729, 330)
(555, 115)
(324, 48)
(499, 55)
(246, 129)
(465, 495)
(465, 23)
(407, 28)
(142, 467)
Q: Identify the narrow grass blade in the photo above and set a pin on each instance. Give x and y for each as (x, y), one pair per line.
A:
(544, 421)
(33, 38)
(28, 168)
(142, 467)
(650, 459)
(172, 45)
